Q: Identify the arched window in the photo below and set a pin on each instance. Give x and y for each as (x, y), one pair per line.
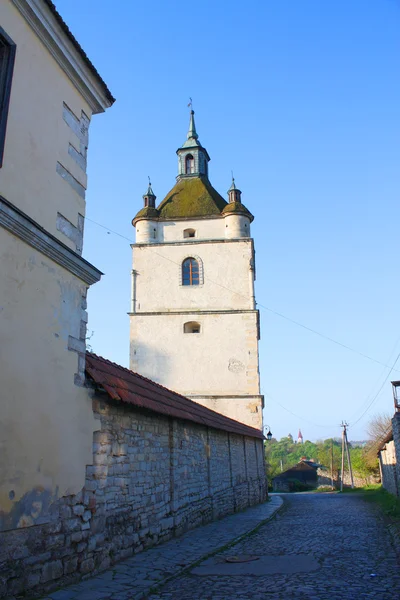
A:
(190, 272)
(191, 327)
(189, 164)
(187, 233)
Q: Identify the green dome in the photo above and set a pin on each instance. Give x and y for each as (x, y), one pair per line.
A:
(148, 212)
(237, 208)
(191, 197)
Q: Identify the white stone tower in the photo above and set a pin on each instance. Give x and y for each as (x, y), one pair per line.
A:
(194, 326)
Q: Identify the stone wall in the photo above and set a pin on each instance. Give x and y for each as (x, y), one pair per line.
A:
(152, 478)
(324, 478)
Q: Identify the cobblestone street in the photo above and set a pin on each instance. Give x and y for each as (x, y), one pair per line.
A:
(338, 545)
(318, 546)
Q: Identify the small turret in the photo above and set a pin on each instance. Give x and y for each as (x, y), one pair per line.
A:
(234, 194)
(237, 217)
(146, 219)
(149, 197)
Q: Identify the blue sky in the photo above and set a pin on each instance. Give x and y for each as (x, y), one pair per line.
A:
(301, 100)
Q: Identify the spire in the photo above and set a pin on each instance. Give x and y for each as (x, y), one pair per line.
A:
(234, 193)
(149, 197)
(192, 133)
(192, 157)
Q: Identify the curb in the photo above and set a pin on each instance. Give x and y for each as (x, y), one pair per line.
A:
(154, 588)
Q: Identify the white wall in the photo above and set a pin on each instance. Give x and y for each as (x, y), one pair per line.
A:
(228, 279)
(206, 229)
(222, 359)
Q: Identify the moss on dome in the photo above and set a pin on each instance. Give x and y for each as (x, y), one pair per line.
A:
(191, 197)
(237, 208)
(148, 212)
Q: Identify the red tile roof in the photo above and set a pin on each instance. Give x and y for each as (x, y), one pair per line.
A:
(126, 386)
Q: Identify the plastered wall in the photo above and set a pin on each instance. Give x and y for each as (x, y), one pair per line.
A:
(226, 276)
(222, 359)
(46, 422)
(38, 138)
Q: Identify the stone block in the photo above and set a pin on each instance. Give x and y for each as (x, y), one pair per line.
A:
(55, 541)
(76, 536)
(70, 565)
(87, 565)
(38, 558)
(81, 547)
(65, 512)
(91, 485)
(87, 515)
(78, 510)
(32, 580)
(52, 570)
(72, 525)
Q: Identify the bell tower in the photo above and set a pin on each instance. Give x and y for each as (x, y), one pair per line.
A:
(194, 325)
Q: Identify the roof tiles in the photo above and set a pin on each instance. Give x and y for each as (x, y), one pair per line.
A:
(126, 386)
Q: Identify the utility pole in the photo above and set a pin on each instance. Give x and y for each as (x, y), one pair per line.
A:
(342, 470)
(332, 463)
(345, 446)
(348, 457)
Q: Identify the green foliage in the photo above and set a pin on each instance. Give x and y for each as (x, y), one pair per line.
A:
(283, 454)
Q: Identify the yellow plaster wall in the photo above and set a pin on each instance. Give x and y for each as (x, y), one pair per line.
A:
(37, 136)
(47, 423)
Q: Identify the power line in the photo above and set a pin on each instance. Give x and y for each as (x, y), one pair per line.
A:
(274, 312)
(378, 392)
(297, 416)
(376, 382)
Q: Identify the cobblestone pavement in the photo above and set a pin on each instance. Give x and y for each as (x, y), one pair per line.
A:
(134, 578)
(337, 543)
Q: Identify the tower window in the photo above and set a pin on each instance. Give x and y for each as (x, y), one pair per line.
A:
(189, 233)
(191, 327)
(189, 164)
(190, 272)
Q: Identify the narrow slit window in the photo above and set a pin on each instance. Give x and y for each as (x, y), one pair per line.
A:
(189, 233)
(190, 272)
(191, 327)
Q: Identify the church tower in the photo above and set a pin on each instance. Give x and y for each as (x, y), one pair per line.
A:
(194, 326)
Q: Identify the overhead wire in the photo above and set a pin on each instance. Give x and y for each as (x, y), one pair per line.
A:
(297, 416)
(376, 382)
(270, 310)
(377, 393)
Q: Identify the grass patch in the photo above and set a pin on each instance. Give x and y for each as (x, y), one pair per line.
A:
(389, 504)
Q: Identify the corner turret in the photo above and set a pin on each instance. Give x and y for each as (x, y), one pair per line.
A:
(237, 217)
(146, 231)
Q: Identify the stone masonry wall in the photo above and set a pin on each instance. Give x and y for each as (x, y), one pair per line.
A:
(152, 478)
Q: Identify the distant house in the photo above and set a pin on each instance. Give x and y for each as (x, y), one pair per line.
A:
(304, 472)
(388, 463)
